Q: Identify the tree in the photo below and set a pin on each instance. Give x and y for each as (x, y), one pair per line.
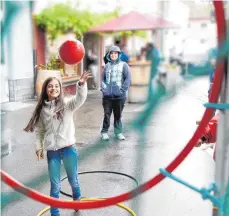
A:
(62, 18)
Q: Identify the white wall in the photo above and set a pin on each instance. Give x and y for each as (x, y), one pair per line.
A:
(20, 47)
(188, 37)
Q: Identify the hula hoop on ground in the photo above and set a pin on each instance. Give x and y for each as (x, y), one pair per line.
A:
(218, 78)
(100, 171)
(94, 199)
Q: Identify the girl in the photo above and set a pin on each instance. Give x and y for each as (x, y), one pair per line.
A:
(53, 123)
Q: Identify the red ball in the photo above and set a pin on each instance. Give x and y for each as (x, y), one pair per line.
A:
(72, 51)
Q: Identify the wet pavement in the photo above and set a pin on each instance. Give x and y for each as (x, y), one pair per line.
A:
(171, 126)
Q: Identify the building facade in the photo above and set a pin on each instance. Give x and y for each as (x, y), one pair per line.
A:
(17, 67)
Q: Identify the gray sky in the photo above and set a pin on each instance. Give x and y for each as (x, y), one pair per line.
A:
(144, 6)
(102, 5)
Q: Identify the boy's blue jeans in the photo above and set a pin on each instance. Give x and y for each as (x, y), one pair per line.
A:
(70, 160)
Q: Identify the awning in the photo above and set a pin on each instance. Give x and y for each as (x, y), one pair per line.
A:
(131, 22)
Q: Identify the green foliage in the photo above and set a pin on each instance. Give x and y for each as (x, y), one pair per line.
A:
(141, 34)
(61, 18)
(52, 64)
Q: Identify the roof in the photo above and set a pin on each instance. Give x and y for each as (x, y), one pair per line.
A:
(161, 23)
(131, 22)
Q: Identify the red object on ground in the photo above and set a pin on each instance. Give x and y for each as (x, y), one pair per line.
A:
(210, 131)
(72, 51)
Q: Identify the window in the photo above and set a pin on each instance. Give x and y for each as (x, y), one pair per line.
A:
(202, 40)
(203, 25)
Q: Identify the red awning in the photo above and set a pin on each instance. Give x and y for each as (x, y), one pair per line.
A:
(131, 22)
(161, 23)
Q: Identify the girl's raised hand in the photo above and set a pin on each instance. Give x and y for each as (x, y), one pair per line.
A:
(84, 77)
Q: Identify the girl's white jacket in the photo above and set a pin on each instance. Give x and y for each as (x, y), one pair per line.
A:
(54, 134)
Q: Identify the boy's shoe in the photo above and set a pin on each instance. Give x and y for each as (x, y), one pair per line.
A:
(104, 136)
(120, 136)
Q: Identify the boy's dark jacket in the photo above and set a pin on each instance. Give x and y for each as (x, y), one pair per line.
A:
(115, 89)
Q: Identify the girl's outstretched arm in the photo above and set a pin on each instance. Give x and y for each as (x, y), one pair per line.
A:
(81, 93)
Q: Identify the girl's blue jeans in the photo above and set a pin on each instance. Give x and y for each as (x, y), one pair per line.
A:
(70, 160)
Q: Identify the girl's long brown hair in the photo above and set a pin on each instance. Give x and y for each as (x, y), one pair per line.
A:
(59, 103)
